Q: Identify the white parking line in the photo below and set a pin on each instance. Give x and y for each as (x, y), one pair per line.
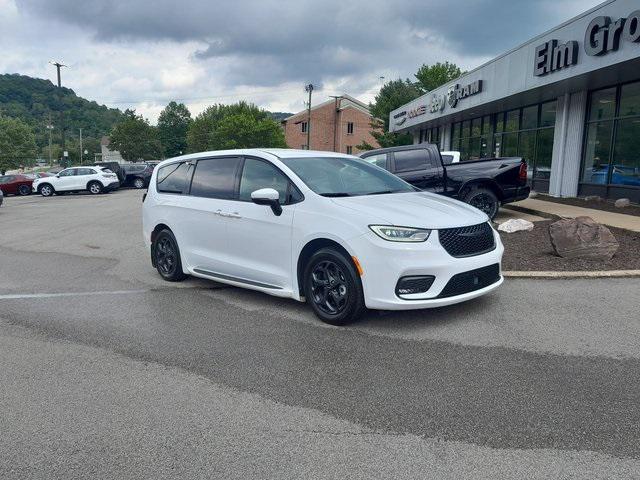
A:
(69, 294)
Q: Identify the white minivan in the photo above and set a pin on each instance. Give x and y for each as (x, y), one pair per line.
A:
(324, 227)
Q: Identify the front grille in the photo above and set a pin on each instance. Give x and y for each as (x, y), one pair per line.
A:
(471, 281)
(467, 241)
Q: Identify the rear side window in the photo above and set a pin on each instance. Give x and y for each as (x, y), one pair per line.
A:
(215, 178)
(447, 159)
(85, 171)
(380, 160)
(173, 178)
(407, 160)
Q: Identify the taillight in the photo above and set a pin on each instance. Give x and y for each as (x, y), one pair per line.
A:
(522, 173)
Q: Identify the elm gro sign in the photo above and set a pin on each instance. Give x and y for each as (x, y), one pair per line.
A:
(602, 36)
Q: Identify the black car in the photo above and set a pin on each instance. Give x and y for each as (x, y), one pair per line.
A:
(137, 175)
(486, 184)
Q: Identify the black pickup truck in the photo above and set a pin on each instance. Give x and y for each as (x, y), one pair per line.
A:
(486, 184)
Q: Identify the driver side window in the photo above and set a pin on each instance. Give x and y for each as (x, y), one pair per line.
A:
(257, 174)
(68, 173)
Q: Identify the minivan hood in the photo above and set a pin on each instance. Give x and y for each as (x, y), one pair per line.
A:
(414, 209)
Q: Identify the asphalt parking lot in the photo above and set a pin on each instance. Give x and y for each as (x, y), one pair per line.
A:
(106, 371)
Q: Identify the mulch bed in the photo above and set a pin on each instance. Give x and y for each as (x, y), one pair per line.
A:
(531, 251)
(606, 205)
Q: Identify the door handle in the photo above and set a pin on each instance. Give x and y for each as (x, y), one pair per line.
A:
(234, 215)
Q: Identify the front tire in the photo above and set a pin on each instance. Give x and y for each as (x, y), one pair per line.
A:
(333, 288)
(95, 188)
(46, 190)
(483, 199)
(24, 190)
(166, 257)
(138, 183)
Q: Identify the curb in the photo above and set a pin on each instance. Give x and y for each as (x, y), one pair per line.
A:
(531, 211)
(578, 274)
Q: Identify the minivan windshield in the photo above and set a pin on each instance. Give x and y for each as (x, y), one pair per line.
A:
(345, 177)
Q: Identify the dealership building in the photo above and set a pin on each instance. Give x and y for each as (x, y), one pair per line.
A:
(567, 101)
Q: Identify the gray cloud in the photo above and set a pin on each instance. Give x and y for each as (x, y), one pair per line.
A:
(271, 41)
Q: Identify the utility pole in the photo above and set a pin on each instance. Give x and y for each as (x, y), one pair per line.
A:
(81, 156)
(49, 128)
(309, 88)
(58, 66)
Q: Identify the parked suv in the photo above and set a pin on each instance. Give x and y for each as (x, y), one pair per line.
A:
(137, 174)
(93, 179)
(324, 227)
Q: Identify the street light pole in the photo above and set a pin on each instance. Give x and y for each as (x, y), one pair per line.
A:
(81, 156)
(309, 88)
(49, 128)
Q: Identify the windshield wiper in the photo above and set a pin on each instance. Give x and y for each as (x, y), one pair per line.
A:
(335, 194)
(382, 192)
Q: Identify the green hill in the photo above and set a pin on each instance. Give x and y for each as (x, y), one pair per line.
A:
(33, 99)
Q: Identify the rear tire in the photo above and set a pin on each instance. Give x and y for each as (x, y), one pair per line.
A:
(95, 188)
(24, 190)
(166, 257)
(138, 183)
(333, 288)
(46, 190)
(483, 199)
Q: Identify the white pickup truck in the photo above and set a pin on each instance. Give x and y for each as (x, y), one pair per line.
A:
(450, 157)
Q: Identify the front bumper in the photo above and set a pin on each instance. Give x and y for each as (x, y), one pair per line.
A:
(384, 262)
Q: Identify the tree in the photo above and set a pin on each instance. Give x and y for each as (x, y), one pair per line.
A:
(392, 95)
(433, 76)
(17, 144)
(135, 139)
(173, 124)
(240, 125)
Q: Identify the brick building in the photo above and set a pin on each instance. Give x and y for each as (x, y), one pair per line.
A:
(337, 125)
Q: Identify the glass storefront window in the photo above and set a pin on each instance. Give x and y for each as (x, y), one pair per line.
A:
(487, 125)
(529, 118)
(474, 148)
(500, 122)
(509, 145)
(544, 152)
(548, 114)
(466, 128)
(598, 147)
(625, 168)
(476, 127)
(603, 104)
(630, 100)
(512, 121)
(527, 149)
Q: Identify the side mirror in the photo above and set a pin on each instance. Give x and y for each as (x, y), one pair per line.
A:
(268, 196)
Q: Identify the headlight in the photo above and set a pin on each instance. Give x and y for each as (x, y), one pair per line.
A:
(400, 234)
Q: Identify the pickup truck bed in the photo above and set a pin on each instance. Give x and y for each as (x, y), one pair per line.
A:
(485, 184)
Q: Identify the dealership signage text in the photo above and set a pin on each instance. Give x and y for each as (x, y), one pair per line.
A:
(602, 36)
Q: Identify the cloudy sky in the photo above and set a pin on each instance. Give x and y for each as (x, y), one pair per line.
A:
(144, 53)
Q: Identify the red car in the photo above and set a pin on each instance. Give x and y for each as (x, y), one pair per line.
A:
(15, 184)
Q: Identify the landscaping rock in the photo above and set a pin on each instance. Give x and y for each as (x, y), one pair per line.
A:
(622, 202)
(593, 198)
(582, 237)
(515, 225)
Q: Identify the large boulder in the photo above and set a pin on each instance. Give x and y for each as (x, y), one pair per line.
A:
(581, 237)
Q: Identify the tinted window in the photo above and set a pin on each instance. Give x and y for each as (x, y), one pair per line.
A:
(410, 160)
(380, 160)
(257, 174)
(603, 104)
(85, 171)
(215, 178)
(68, 173)
(447, 159)
(173, 178)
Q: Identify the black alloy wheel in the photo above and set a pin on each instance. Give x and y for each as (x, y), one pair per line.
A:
(24, 190)
(166, 257)
(333, 288)
(485, 200)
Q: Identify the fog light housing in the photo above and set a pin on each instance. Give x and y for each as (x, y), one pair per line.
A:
(414, 284)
